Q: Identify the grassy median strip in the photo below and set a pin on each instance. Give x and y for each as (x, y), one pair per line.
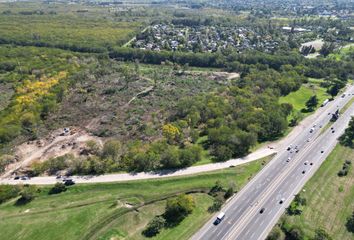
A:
(329, 199)
(118, 210)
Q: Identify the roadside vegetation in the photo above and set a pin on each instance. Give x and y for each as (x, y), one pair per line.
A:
(328, 191)
(118, 210)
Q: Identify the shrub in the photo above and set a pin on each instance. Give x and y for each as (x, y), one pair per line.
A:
(229, 193)
(216, 188)
(154, 226)
(275, 234)
(217, 204)
(57, 188)
(178, 208)
(350, 223)
(27, 194)
(112, 149)
(7, 192)
(321, 234)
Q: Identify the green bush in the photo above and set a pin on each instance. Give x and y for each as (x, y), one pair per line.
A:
(57, 188)
(178, 208)
(8, 192)
(154, 226)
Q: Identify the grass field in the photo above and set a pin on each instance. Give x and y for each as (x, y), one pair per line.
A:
(66, 29)
(299, 98)
(329, 198)
(99, 210)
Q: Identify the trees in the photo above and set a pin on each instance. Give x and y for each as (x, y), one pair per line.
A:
(295, 234)
(312, 103)
(154, 226)
(347, 139)
(350, 223)
(171, 132)
(112, 149)
(178, 208)
(275, 234)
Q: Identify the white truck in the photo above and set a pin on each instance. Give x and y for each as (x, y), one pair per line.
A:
(219, 218)
(325, 102)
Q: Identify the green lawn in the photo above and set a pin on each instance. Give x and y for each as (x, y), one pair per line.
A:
(92, 211)
(299, 98)
(329, 198)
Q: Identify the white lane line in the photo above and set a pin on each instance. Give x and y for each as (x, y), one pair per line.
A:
(248, 231)
(218, 233)
(262, 222)
(256, 220)
(214, 230)
(252, 235)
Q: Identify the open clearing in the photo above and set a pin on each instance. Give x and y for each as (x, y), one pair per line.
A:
(85, 211)
(329, 198)
(299, 98)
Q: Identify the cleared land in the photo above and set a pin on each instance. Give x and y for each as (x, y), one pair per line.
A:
(66, 29)
(93, 211)
(329, 198)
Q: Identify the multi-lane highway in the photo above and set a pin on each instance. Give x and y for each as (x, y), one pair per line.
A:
(281, 179)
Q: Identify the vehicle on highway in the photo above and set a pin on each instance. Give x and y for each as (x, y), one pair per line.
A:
(262, 210)
(219, 218)
(311, 130)
(333, 131)
(24, 178)
(308, 140)
(325, 102)
(297, 150)
(311, 164)
(306, 162)
(303, 172)
(288, 160)
(16, 178)
(281, 201)
(343, 95)
(288, 149)
(68, 182)
(321, 151)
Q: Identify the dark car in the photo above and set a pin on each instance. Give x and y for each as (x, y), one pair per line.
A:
(17, 178)
(311, 164)
(68, 182)
(303, 172)
(262, 210)
(281, 201)
(322, 151)
(333, 131)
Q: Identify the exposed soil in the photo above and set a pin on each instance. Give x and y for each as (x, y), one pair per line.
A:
(58, 143)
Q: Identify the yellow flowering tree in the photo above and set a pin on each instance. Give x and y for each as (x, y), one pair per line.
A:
(170, 132)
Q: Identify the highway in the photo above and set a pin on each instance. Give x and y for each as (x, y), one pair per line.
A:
(282, 178)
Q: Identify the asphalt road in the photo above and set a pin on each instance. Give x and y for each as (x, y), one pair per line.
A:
(281, 178)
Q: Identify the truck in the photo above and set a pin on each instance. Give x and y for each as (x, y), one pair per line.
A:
(325, 102)
(219, 218)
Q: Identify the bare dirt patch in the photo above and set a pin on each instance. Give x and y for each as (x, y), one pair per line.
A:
(58, 143)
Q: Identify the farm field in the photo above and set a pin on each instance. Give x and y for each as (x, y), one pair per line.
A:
(65, 31)
(107, 210)
(328, 193)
